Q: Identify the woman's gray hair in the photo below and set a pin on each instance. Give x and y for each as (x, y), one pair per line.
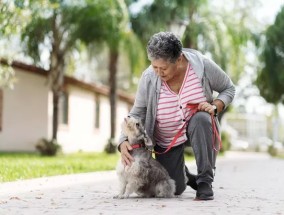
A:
(164, 45)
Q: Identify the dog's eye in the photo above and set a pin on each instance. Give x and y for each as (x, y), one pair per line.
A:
(137, 125)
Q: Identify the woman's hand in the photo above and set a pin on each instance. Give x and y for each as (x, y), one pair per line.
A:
(205, 106)
(126, 158)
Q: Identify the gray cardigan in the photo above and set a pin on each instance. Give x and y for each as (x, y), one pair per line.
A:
(212, 78)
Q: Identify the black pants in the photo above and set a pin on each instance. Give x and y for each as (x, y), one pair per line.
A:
(199, 132)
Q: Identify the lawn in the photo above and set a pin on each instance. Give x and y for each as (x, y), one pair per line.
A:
(17, 166)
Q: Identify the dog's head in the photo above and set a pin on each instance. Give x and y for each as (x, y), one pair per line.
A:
(135, 131)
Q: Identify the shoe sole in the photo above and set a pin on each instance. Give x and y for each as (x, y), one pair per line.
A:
(204, 198)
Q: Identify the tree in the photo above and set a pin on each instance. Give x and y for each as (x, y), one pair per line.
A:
(220, 32)
(11, 18)
(113, 38)
(117, 36)
(225, 35)
(271, 76)
(212, 30)
(60, 26)
(162, 15)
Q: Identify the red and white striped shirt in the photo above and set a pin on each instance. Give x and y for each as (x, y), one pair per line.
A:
(172, 112)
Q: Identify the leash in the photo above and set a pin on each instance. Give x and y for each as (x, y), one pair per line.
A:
(193, 110)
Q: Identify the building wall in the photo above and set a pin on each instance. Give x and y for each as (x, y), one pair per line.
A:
(80, 134)
(25, 117)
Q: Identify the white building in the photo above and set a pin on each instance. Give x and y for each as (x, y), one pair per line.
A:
(26, 112)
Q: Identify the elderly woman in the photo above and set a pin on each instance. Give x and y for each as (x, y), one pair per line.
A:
(178, 77)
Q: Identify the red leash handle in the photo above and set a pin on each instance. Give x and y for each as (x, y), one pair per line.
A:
(215, 135)
(193, 109)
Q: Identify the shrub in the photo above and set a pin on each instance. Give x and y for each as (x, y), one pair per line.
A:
(226, 142)
(272, 150)
(48, 147)
(110, 147)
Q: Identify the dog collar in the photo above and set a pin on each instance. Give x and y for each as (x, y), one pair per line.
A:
(137, 145)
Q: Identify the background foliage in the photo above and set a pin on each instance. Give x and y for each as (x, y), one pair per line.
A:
(271, 74)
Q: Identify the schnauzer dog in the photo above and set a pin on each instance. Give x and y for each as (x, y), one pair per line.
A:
(146, 177)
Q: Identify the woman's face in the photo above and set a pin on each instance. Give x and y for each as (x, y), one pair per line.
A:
(165, 69)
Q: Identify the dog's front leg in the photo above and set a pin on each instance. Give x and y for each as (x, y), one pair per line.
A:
(123, 184)
(130, 188)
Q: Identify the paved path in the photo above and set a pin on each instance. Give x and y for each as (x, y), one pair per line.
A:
(245, 183)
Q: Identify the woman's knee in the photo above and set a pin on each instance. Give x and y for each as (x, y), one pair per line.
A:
(201, 118)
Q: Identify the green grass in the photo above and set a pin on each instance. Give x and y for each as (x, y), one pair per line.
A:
(281, 156)
(18, 166)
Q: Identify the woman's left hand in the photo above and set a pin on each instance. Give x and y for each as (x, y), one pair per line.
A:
(207, 107)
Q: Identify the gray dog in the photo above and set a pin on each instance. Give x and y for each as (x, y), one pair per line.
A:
(146, 176)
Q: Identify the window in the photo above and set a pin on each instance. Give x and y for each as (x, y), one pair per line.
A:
(1, 108)
(63, 109)
(97, 111)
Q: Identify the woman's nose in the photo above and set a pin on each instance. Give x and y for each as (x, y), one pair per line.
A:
(159, 71)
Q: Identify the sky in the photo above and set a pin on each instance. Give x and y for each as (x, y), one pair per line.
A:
(268, 11)
(265, 12)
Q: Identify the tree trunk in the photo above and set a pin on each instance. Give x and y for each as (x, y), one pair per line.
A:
(56, 97)
(111, 148)
(56, 75)
(189, 40)
(57, 80)
(112, 84)
(1, 108)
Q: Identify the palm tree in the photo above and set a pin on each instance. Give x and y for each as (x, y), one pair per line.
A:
(63, 25)
(60, 26)
(120, 37)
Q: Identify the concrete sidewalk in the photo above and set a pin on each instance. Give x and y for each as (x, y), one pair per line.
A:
(245, 183)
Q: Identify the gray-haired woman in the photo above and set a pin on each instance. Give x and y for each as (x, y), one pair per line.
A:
(178, 77)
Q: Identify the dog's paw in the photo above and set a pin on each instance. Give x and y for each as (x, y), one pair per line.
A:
(117, 197)
(120, 196)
